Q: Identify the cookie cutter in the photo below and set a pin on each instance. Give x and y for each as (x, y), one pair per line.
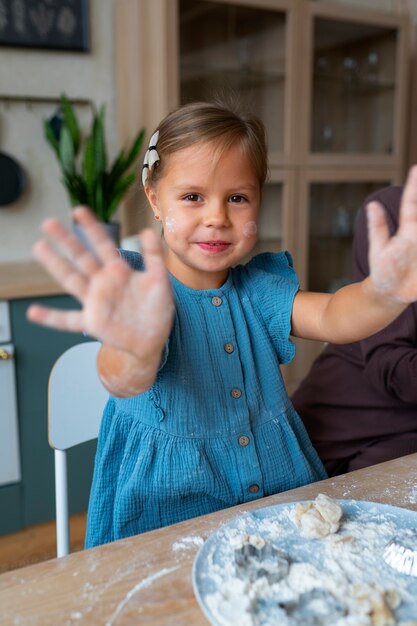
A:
(255, 561)
(401, 553)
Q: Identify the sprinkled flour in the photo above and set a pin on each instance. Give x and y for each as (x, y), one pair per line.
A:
(260, 570)
(188, 542)
(413, 495)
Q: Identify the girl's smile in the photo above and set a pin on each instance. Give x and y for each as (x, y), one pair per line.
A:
(214, 247)
(206, 205)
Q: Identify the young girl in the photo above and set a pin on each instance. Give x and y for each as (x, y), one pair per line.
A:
(198, 418)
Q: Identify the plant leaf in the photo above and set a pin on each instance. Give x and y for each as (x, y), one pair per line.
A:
(116, 186)
(124, 183)
(117, 192)
(89, 170)
(134, 151)
(100, 158)
(75, 187)
(117, 169)
(66, 151)
(50, 137)
(94, 186)
(122, 162)
(98, 206)
(71, 122)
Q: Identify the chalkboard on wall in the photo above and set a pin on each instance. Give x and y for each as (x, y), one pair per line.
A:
(54, 24)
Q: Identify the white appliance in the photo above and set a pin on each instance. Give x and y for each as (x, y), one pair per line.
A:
(9, 432)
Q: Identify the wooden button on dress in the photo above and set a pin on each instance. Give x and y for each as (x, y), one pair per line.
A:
(229, 348)
(236, 393)
(216, 301)
(254, 488)
(244, 440)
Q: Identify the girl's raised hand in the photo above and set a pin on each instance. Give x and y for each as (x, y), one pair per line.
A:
(129, 310)
(393, 260)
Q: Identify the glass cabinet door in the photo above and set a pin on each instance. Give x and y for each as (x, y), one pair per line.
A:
(354, 87)
(227, 48)
(332, 212)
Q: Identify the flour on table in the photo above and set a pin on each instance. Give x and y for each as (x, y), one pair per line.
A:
(188, 542)
(269, 571)
(413, 497)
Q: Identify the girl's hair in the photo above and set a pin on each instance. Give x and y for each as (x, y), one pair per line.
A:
(209, 121)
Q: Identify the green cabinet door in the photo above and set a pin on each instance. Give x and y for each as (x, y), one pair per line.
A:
(32, 500)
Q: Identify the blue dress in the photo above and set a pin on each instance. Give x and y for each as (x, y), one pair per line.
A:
(217, 428)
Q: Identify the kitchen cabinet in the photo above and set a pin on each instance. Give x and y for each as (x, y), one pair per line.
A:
(328, 79)
(9, 438)
(30, 499)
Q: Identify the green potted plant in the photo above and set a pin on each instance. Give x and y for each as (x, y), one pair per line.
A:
(86, 174)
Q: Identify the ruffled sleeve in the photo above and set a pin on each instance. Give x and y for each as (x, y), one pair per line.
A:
(273, 283)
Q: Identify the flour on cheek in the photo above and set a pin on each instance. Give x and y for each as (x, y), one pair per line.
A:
(250, 229)
(170, 222)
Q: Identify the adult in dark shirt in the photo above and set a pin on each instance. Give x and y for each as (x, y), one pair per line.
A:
(359, 400)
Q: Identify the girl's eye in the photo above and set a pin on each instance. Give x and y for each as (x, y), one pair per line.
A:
(237, 198)
(192, 197)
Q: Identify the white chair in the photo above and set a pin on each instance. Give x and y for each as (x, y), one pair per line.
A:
(76, 399)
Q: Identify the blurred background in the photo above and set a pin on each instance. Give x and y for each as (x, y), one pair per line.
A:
(334, 82)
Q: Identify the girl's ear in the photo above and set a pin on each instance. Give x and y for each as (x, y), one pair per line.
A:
(152, 199)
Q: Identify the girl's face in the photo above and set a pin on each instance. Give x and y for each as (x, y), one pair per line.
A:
(209, 210)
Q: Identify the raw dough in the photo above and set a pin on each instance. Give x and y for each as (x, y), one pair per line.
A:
(317, 518)
(376, 602)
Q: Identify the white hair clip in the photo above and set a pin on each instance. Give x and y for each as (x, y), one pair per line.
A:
(151, 157)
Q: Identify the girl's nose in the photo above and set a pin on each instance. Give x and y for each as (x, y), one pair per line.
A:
(216, 215)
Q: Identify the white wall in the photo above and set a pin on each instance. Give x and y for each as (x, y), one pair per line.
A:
(42, 73)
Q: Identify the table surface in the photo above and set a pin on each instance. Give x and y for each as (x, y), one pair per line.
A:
(147, 579)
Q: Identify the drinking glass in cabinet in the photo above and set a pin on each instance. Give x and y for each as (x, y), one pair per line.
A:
(227, 48)
(332, 212)
(353, 87)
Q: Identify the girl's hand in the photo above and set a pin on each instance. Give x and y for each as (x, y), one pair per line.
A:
(393, 260)
(128, 310)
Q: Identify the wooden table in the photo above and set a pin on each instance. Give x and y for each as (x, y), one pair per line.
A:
(147, 579)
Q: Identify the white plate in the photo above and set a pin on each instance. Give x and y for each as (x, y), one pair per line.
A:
(214, 566)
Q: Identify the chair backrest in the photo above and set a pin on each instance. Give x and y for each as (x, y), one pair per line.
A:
(76, 399)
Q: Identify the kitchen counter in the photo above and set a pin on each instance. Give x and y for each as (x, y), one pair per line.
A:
(26, 279)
